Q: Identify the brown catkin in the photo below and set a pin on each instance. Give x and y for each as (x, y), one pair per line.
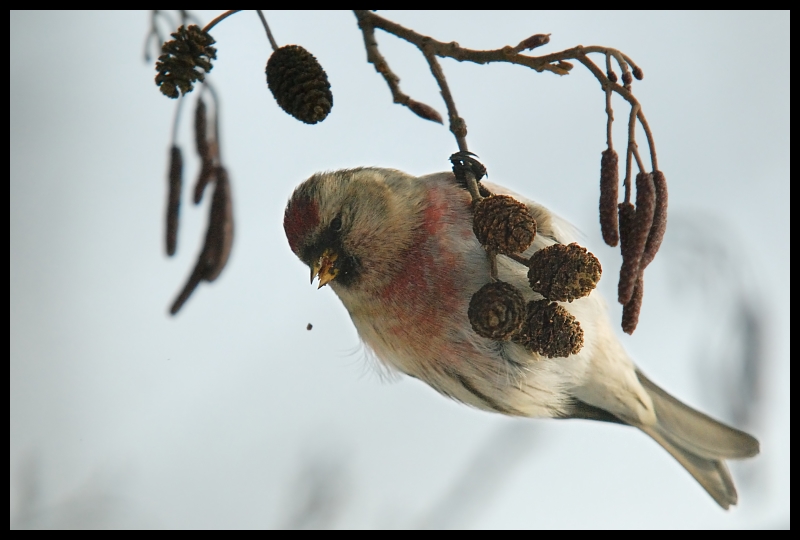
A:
(609, 193)
(207, 175)
(219, 239)
(191, 284)
(659, 226)
(637, 237)
(645, 209)
(201, 129)
(174, 198)
(630, 311)
(629, 270)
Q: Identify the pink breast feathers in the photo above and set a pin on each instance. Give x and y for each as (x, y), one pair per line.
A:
(424, 291)
(301, 217)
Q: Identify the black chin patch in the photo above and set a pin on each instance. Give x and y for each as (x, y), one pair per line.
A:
(347, 265)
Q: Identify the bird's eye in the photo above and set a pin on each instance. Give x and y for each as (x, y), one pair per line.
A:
(336, 224)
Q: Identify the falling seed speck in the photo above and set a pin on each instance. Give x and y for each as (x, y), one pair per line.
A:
(309, 326)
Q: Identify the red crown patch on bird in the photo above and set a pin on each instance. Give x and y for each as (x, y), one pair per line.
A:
(301, 216)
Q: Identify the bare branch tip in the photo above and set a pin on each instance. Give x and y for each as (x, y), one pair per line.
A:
(536, 40)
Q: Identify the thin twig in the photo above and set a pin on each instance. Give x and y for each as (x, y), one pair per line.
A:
(635, 67)
(266, 27)
(472, 186)
(453, 50)
(215, 98)
(630, 152)
(518, 258)
(633, 148)
(375, 58)
(219, 19)
(505, 54)
(155, 33)
(639, 162)
(187, 16)
(492, 264)
(609, 110)
(557, 63)
(619, 57)
(457, 124)
(176, 120)
(650, 142)
(432, 48)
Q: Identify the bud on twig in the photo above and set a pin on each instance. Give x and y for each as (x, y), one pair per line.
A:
(536, 40)
(626, 78)
(638, 73)
(424, 111)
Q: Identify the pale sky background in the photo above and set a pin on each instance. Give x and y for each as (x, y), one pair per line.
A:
(233, 415)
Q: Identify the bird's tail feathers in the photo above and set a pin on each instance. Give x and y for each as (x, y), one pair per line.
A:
(698, 442)
(712, 474)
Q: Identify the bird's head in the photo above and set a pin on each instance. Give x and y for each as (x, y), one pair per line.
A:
(350, 226)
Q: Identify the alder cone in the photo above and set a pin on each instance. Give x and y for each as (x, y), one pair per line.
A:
(496, 311)
(299, 84)
(550, 330)
(184, 60)
(503, 224)
(564, 272)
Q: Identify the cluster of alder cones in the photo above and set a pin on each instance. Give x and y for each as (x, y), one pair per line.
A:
(299, 85)
(294, 76)
(559, 273)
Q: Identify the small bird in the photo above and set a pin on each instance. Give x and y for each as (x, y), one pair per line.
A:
(400, 253)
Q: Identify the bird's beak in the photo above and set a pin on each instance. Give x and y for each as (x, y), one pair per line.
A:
(323, 268)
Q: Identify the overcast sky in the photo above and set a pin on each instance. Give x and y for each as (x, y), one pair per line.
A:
(233, 415)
